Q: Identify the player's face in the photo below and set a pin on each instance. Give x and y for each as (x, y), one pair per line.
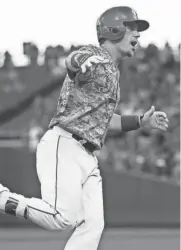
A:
(127, 46)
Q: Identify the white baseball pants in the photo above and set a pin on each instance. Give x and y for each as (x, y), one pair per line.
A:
(71, 188)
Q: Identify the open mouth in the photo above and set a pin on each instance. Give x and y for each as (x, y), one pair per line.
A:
(133, 44)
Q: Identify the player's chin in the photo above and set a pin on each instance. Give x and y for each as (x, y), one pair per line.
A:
(130, 53)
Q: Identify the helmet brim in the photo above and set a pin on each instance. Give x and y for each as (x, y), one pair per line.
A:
(141, 24)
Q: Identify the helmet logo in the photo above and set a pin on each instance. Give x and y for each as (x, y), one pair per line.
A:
(116, 18)
(134, 14)
(120, 17)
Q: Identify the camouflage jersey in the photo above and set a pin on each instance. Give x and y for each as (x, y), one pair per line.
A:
(88, 100)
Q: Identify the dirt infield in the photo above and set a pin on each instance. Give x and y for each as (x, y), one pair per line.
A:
(113, 239)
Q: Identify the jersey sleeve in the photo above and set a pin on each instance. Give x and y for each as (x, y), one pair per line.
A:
(77, 58)
(99, 80)
(97, 74)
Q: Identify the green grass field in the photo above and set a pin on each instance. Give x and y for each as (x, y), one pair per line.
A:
(113, 239)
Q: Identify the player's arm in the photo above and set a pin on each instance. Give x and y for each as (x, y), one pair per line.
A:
(82, 60)
(76, 59)
(125, 122)
(151, 119)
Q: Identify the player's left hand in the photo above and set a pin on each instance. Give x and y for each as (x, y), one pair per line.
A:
(155, 120)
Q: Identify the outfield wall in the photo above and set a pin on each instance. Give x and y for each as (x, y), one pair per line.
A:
(129, 200)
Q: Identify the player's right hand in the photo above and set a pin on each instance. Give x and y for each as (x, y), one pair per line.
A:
(92, 61)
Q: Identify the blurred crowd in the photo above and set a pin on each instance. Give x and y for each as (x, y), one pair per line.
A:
(152, 77)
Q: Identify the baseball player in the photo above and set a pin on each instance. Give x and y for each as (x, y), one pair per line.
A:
(71, 185)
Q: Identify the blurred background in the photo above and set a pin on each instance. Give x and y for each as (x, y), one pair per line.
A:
(140, 169)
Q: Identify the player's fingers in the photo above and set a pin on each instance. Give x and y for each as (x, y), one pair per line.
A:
(94, 61)
(160, 114)
(164, 124)
(167, 120)
(163, 128)
(83, 68)
(103, 60)
(88, 64)
(162, 119)
(98, 59)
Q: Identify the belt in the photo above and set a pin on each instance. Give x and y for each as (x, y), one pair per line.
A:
(87, 145)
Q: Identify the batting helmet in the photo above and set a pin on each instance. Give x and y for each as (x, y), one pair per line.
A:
(111, 24)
